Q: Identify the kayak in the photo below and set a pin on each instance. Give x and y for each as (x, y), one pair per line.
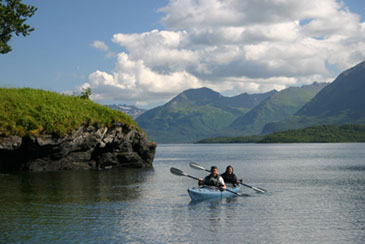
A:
(207, 192)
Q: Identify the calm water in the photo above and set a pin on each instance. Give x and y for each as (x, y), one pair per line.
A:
(315, 195)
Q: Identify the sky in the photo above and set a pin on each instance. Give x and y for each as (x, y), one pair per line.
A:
(145, 52)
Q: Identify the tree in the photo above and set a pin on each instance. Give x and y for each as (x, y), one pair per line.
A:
(13, 14)
(86, 93)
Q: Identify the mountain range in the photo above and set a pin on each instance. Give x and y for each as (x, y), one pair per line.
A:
(341, 102)
(203, 113)
(131, 110)
(279, 106)
(195, 114)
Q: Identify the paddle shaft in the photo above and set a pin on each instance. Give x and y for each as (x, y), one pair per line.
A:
(253, 187)
(192, 177)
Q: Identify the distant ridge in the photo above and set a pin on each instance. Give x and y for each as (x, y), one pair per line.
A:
(341, 102)
(279, 106)
(345, 94)
(131, 110)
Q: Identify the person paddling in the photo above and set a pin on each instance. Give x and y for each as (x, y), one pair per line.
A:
(214, 179)
(229, 176)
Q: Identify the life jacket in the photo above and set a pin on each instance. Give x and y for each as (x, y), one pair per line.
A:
(210, 180)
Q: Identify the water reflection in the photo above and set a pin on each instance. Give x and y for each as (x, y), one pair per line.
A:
(213, 203)
(39, 207)
(73, 186)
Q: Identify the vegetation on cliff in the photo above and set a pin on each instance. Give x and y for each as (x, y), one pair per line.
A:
(31, 112)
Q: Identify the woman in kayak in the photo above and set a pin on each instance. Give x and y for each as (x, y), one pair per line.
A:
(229, 176)
(214, 179)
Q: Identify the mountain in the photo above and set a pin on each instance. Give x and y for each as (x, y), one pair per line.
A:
(278, 107)
(341, 102)
(195, 114)
(131, 110)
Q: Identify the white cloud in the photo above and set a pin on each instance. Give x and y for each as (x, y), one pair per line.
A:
(100, 45)
(164, 50)
(236, 45)
(134, 81)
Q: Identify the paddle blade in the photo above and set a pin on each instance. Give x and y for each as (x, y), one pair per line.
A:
(259, 189)
(177, 172)
(197, 166)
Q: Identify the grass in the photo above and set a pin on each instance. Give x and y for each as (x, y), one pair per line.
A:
(32, 112)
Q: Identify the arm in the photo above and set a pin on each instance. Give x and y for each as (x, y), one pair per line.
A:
(221, 181)
(203, 181)
(237, 182)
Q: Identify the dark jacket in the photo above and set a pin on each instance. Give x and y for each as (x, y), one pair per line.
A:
(229, 178)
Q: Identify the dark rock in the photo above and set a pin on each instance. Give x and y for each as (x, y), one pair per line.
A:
(10, 143)
(89, 147)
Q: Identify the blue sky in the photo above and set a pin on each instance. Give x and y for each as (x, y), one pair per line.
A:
(59, 55)
(144, 52)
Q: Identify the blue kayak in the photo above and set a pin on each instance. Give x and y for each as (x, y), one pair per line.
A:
(207, 192)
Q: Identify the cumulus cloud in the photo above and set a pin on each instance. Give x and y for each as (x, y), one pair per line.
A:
(102, 46)
(134, 81)
(236, 45)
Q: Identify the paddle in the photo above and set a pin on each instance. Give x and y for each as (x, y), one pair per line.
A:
(198, 166)
(178, 172)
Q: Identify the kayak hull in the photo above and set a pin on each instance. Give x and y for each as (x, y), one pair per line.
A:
(206, 192)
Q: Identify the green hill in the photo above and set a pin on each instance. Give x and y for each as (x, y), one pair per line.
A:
(315, 134)
(278, 107)
(323, 133)
(31, 112)
(341, 102)
(196, 114)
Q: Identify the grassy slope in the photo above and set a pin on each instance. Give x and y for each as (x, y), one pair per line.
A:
(30, 112)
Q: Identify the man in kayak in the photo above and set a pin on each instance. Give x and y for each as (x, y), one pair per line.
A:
(214, 179)
(229, 176)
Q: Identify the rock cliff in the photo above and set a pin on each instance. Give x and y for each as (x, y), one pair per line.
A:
(88, 147)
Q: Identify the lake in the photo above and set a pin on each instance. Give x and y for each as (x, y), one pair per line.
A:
(316, 194)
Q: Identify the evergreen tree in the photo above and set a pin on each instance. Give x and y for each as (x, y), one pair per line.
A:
(13, 14)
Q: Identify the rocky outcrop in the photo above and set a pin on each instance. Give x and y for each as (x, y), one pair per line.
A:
(88, 147)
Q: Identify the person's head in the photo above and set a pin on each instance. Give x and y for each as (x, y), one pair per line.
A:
(214, 170)
(229, 169)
